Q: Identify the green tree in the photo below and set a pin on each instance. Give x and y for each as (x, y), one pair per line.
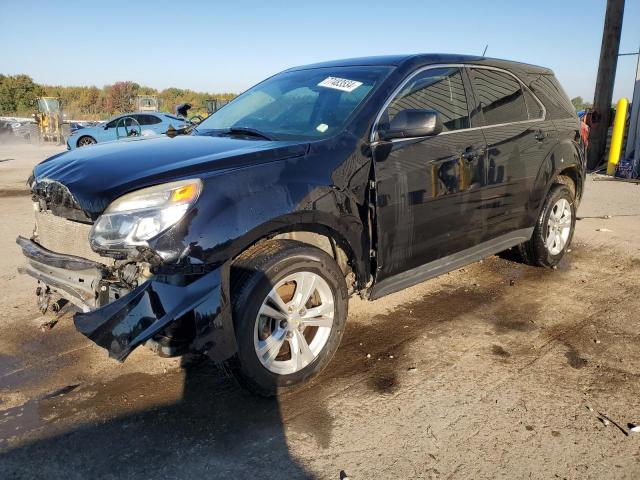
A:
(89, 101)
(121, 97)
(18, 94)
(579, 103)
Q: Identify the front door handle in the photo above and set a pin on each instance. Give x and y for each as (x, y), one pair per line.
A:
(540, 135)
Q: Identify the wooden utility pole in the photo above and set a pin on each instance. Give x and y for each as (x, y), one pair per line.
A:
(604, 83)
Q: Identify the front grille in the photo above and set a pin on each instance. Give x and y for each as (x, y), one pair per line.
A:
(57, 198)
(64, 236)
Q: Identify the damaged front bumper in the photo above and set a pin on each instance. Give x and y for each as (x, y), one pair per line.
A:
(133, 319)
(76, 278)
(121, 324)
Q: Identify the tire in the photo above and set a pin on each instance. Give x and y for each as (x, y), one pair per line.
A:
(286, 267)
(542, 250)
(86, 140)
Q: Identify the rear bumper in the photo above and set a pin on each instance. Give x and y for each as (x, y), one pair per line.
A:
(123, 324)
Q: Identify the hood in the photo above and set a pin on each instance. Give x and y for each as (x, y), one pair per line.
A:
(97, 175)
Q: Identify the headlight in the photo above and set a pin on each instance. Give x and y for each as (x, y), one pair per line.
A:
(137, 217)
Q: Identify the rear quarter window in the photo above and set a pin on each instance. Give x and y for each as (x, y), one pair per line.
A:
(548, 89)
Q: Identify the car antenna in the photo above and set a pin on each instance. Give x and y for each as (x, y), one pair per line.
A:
(485, 49)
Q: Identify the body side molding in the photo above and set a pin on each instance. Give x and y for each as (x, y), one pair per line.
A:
(446, 264)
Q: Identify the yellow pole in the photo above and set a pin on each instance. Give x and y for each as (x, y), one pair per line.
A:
(618, 135)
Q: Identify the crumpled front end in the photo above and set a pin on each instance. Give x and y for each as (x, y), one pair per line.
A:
(124, 300)
(122, 325)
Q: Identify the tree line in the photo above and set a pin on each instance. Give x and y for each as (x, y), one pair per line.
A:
(18, 94)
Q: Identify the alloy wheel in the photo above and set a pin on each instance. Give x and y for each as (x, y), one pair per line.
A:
(294, 323)
(559, 226)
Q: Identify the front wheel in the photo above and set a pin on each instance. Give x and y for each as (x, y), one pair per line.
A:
(553, 231)
(289, 311)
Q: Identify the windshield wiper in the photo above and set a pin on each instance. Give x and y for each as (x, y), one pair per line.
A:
(250, 132)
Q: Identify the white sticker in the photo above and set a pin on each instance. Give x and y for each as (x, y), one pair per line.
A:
(340, 84)
(323, 127)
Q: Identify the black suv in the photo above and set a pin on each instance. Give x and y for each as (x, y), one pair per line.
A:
(244, 238)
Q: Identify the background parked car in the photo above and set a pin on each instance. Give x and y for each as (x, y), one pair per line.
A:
(5, 129)
(125, 125)
(76, 126)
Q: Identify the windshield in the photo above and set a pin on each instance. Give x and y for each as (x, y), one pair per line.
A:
(304, 104)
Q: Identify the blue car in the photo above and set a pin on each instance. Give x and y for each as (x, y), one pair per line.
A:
(125, 126)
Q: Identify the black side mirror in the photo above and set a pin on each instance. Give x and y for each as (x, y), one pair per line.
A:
(413, 122)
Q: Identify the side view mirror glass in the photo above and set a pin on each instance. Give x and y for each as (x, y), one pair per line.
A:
(413, 122)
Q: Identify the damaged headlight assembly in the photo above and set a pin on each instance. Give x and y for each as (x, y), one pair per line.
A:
(137, 217)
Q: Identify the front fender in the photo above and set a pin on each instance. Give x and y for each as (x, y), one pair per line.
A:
(237, 208)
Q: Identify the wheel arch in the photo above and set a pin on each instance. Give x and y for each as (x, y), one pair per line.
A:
(563, 162)
(317, 229)
(571, 177)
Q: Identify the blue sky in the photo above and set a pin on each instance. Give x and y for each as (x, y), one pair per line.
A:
(229, 46)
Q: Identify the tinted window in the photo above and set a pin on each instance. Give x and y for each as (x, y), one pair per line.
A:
(148, 120)
(551, 93)
(438, 89)
(533, 106)
(120, 122)
(499, 95)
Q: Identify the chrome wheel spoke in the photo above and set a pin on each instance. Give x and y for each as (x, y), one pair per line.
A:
(317, 322)
(277, 300)
(565, 222)
(270, 348)
(305, 286)
(272, 312)
(556, 241)
(320, 316)
(301, 354)
(319, 311)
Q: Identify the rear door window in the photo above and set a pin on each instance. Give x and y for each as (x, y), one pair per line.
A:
(499, 96)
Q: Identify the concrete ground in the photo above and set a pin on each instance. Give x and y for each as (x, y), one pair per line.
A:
(497, 370)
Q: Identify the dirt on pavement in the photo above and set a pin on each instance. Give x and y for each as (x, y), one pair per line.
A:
(497, 370)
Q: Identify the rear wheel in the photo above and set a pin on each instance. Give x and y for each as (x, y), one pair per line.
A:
(553, 231)
(86, 140)
(289, 311)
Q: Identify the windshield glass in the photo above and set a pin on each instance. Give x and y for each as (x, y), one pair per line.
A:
(306, 104)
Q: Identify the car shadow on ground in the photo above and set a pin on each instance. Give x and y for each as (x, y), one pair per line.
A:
(215, 430)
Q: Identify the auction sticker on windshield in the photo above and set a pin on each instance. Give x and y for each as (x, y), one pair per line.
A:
(340, 84)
